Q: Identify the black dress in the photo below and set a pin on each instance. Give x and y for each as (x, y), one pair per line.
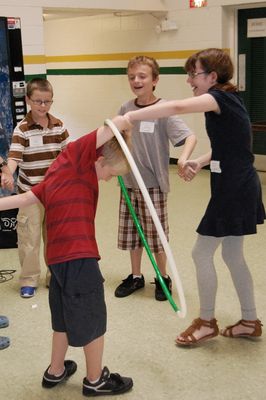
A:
(235, 207)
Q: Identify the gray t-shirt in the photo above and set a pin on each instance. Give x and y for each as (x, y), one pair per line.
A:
(150, 147)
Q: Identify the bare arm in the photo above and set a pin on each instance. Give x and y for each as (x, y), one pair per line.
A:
(188, 147)
(12, 165)
(203, 103)
(192, 167)
(104, 133)
(205, 159)
(19, 200)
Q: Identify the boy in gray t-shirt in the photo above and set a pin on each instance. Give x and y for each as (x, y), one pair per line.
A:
(150, 150)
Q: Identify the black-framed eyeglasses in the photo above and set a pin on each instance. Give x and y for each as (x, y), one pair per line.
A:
(193, 75)
(41, 102)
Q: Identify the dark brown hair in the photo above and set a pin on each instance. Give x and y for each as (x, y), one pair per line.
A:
(217, 60)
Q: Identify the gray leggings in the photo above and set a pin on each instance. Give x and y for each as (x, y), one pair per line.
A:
(232, 253)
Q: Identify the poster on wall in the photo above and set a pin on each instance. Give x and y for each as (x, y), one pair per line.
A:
(6, 117)
(12, 83)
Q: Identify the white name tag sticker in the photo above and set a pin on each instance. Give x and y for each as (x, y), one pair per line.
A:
(146, 127)
(215, 167)
(36, 141)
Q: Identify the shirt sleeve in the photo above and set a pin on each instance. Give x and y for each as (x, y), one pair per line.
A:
(64, 137)
(17, 146)
(177, 130)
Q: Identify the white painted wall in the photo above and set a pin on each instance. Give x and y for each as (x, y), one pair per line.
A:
(83, 102)
(95, 98)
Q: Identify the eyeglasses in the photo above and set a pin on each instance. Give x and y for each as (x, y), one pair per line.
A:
(193, 75)
(41, 102)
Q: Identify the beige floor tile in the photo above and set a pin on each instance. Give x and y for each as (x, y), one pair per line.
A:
(141, 331)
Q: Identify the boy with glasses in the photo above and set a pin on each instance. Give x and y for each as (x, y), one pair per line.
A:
(37, 140)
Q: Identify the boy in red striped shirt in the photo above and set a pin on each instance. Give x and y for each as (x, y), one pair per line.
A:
(69, 194)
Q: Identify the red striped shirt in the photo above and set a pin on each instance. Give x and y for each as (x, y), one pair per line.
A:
(69, 193)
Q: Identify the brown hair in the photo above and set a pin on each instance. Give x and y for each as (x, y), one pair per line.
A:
(114, 155)
(144, 60)
(41, 84)
(217, 60)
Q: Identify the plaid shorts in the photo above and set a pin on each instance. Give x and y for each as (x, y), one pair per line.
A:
(128, 237)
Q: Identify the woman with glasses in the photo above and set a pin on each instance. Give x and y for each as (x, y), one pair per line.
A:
(37, 140)
(235, 207)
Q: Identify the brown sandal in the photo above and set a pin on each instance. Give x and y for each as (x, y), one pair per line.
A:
(256, 325)
(188, 335)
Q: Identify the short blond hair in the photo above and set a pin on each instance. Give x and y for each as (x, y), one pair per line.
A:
(114, 155)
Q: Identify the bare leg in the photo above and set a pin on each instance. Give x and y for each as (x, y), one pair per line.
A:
(93, 355)
(135, 256)
(161, 262)
(59, 349)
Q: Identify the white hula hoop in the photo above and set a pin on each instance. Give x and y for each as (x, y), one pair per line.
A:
(183, 308)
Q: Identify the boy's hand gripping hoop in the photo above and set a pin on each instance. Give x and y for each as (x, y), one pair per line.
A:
(181, 312)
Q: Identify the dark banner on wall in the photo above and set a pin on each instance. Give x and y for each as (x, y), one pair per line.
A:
(12, 109)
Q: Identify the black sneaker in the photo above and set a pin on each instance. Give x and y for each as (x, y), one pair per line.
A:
(159, 293)
(129, 285)
(50, 381)
(108, 384)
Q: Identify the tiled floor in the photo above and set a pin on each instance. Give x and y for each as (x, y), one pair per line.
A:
(141, 331)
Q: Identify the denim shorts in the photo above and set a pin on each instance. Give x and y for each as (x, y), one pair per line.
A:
(76, 298)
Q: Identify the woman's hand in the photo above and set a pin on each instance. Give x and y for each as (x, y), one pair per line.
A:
(188, 169)
(122, 123)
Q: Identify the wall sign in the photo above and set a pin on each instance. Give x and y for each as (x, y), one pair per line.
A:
(256, 27)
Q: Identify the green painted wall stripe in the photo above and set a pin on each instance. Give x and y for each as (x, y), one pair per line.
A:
(29, 77)
(87, 71)
(109, 71)
(172, 70)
